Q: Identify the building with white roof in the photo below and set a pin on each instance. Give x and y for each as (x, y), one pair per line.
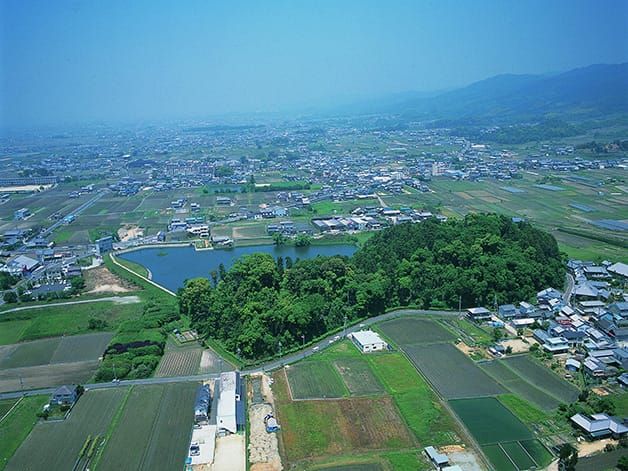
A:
(230, 412)
(368, 341)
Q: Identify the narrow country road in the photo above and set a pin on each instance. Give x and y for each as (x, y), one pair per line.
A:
(269, 366)
(115, 299)
(569, 282)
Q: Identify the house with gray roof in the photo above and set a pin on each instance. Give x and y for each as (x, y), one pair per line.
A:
(600, 425)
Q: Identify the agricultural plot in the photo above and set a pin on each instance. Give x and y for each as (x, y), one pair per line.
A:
(408, 330)
(516, 384)
(319, 428)
(179, 361)
(66, 320)
(505, 440)
(57, 445)
(17, 424)
(314, 380)
(358, 377)
(354, 467)
(51, 362)
(26, 354)
(81, 347)
(451, 372)
(537, 374)
(5, 406)
(153, 432)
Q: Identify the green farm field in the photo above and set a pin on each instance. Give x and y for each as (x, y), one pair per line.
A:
(358, 377)
(56, 445)
(409, 331)
(319, 428)
(55, 350)
(505, 440)
(180, 360)
(51, 362)
(16, 426)
(516, 384)
(451, 372)
(314, 380)
(322, 433)
(537, 374)
(54, 321)
(153, 431)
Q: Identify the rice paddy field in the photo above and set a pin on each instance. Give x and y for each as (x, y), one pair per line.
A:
(537, 374)
(409, 331)
(512, 381)
(451, 372)
(505, 440)
(553, 210)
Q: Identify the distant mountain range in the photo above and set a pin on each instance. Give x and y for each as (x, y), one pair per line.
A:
(586, 92)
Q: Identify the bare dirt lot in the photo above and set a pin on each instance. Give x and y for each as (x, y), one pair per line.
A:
(518, 345)
(130, 232)
(263, 446)
(101, 280)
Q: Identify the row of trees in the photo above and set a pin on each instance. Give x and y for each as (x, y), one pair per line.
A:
(262, 303)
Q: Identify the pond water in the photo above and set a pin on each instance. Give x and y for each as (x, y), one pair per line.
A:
(171, 266)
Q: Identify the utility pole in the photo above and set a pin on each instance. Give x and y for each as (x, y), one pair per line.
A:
(115, 377)
(460, 305)
(279, 347)
(22, 386)
(344, 330)
(303, 339)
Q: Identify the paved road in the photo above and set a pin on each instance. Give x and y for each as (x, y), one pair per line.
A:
(121, 383)
(76, 212)
(115, 299)
(312, 349)
(570, 282)
(271, 365)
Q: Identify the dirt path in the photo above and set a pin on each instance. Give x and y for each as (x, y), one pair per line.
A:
(115, 299)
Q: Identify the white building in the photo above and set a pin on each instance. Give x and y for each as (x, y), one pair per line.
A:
(368, 341)
(230, 411)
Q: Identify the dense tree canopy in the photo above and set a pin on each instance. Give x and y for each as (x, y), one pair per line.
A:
(261, 302)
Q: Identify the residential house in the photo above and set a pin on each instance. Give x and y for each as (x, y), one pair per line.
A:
(64, 395)
(600, 426)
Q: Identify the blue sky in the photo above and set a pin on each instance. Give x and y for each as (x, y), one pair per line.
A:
(68, 62)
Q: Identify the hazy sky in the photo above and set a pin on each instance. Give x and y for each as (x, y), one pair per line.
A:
(71, 62)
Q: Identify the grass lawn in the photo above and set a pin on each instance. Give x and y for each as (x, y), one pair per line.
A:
(17, 425)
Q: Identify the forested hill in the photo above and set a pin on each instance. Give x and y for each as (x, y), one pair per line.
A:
(261, 302)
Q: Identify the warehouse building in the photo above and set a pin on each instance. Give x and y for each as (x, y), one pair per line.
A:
(230, 416)
(368, 341)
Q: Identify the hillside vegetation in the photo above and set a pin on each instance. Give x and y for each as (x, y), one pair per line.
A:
(262, 305)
